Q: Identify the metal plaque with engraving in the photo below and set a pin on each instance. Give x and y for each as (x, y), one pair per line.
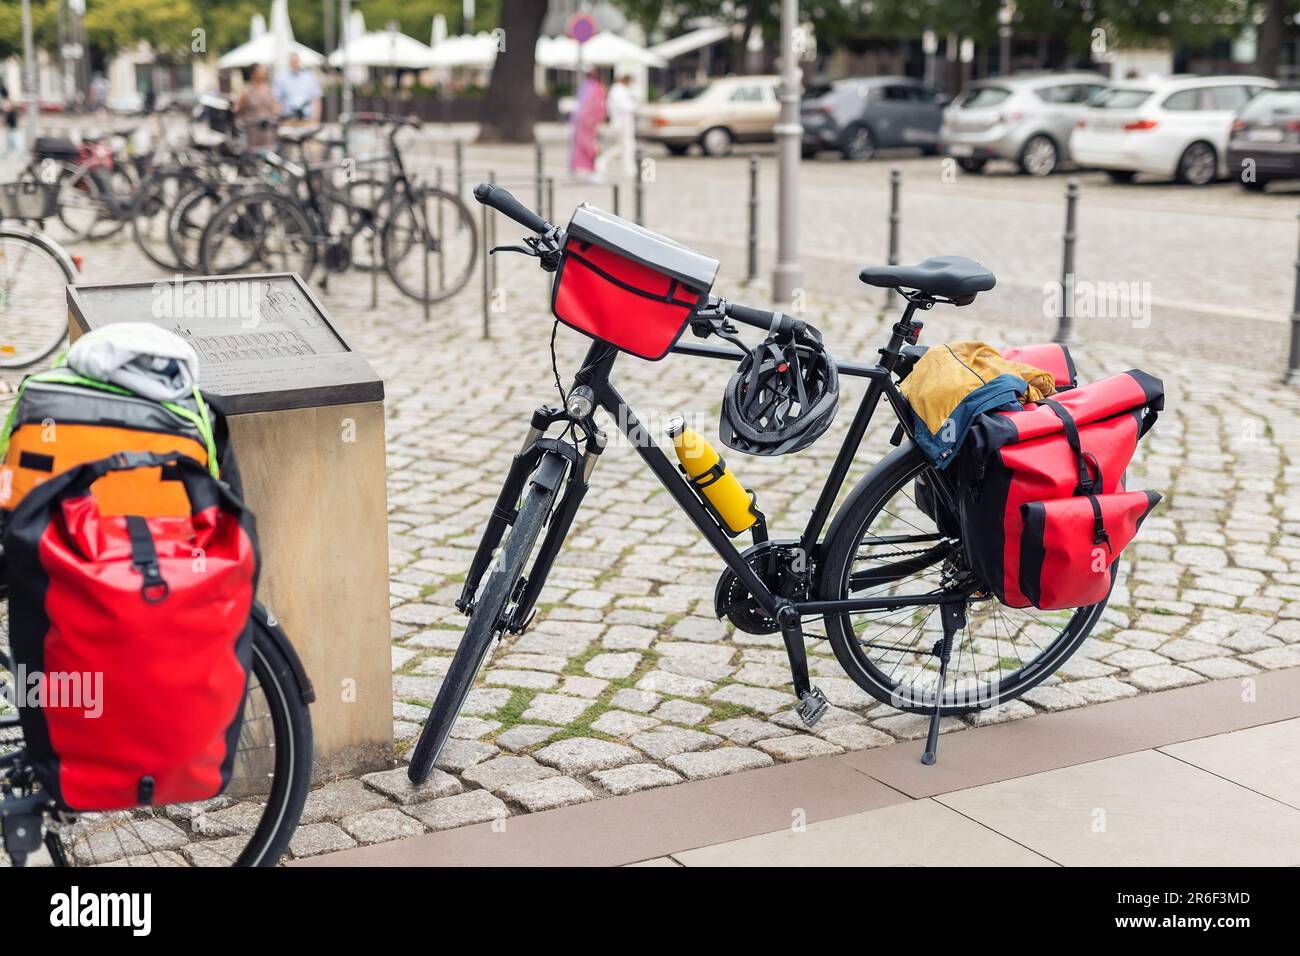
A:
(264, 342)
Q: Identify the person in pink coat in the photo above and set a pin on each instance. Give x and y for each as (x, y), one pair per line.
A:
(585, 124)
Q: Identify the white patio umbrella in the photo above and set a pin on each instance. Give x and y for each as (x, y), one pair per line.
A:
(262, 50)
(281, 34)
(604, 49)
(384, 49)
(478, 50)
(355, 29)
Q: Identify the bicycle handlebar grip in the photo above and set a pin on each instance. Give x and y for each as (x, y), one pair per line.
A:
(504, 202)
(776, 322)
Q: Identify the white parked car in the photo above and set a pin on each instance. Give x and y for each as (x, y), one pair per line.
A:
(1173, 126)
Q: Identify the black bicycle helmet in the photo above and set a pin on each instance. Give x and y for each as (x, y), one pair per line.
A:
(782, 397)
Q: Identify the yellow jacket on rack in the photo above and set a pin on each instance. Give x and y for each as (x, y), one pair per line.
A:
(946, 374)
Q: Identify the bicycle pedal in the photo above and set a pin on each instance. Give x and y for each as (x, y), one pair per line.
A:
(812, 706)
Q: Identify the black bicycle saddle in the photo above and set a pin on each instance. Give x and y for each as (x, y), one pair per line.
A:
(953, 277)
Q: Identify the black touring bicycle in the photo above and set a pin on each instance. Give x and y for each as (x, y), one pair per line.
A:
(906, 616)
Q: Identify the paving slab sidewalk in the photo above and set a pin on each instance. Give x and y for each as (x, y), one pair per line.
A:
(1199, 775)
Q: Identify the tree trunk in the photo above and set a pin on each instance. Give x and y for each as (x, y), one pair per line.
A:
(510, 107)
(1269, 43)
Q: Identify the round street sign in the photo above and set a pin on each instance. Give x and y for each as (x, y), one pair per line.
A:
(581, 27)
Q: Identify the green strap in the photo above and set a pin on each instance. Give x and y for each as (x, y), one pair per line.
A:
(62, 376)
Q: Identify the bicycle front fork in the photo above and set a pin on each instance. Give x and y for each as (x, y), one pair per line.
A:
(548, 463)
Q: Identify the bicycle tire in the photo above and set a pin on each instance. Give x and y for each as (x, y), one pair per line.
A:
(486, 623)
(119, 190)
(276, 676)
(152, 209)
(186, 220)
(289, 213)
(395, 232)
(77, 181)
(892, 475)
(61, 268)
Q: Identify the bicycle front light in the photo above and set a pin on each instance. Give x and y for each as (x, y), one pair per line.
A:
(580, 403)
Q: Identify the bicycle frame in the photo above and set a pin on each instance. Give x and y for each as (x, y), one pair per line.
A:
(595, 374)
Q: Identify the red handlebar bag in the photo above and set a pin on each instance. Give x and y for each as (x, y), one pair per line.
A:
(131, 637)
(626, 285)
(1043, 509)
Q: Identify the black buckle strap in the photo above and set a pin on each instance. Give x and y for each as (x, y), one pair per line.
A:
(1099, 535)
(709, 475)
(1088, 482)
(144, 558)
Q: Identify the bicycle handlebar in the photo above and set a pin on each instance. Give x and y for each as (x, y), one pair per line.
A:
(775, 322)
(504, 202)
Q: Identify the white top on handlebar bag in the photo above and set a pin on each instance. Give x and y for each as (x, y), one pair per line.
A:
(626, 285)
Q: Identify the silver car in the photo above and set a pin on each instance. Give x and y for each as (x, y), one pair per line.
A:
(1026, 118)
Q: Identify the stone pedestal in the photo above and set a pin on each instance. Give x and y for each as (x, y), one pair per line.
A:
(306, 416)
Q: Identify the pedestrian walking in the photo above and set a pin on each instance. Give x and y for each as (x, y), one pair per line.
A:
(298, 92)
(621, 104)
(258, 109)
(13, 142)
(585, 125)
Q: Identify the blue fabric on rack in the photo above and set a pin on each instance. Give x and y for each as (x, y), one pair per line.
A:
(999, 394)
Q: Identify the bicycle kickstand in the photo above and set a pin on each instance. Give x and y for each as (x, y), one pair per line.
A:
(812, 704)
(953, 616)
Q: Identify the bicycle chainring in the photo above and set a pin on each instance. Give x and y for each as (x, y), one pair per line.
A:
(778, 565)
(338, 256)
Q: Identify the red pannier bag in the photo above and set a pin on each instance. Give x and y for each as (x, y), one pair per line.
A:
(1052, 357)
(626, 285)
(133, 636)
(1043, 508)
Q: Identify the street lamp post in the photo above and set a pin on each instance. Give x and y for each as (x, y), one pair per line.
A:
(345, 16)
(1006, 13)
(29, 74)
(787, 276)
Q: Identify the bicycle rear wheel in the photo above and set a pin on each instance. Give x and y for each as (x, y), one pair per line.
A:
(883, 543)
(249, 824)
(487, 621)
(263, 230)
(448, 237)
(32, 309)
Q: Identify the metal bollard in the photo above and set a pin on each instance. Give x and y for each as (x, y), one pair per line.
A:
(539, 169)
(550, 198)
(459, 153)
(438, 234)
(1293, 365)
(487, 268)
(613, 193)
(1065, 325)
(638, 191)
(424, 247)
(752, 271)
(895, 188)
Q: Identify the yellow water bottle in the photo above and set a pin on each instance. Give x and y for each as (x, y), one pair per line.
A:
(711, 477)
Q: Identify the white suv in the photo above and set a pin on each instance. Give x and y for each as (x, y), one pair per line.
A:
(1173, 126)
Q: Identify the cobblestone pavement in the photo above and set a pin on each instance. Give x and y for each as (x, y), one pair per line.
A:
(626, 680)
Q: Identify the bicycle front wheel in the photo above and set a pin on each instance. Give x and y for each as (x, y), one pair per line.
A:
(883, 543)
(487, 621)
(249, 824)
(429, 245)
(32, 309)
